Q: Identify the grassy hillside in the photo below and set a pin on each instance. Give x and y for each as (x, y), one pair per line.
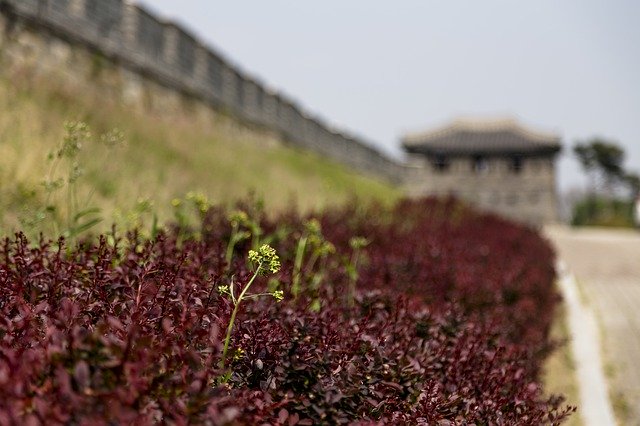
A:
(163, 157)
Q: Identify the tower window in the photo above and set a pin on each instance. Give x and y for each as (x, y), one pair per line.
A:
(441, 163)
(516, 164)
(480, 164)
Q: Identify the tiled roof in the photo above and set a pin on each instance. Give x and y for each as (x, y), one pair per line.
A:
(472, 137)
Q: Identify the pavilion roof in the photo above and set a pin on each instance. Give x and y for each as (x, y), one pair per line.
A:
(482, 137)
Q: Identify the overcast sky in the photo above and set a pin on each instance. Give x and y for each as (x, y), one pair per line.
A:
(381, 68)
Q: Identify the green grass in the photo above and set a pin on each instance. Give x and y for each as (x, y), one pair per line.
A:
(165, 156)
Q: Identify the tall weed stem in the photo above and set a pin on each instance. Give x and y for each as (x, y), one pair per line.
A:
(267, 262)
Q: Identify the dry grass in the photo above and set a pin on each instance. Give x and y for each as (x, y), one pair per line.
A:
(559, 376)
(165, 156)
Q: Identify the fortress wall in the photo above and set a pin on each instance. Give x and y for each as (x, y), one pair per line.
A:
(159, 62)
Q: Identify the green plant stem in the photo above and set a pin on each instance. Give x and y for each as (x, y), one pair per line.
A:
(255, 236)
(231, 287)
(257, 295)
(49, 189)
(353, 276)
(297, 266)
(69, 208)
(233, 316)
(312, 261)
(232, 242)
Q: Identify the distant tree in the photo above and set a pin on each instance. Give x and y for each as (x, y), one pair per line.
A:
(586, 157)
(602, 158)
(633, 182)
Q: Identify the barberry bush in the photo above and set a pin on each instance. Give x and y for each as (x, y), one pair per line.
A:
(425, 313)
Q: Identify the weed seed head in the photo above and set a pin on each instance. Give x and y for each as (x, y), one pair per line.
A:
(238, 218)
(278, 295)
(113, 138)
(238, 354)
(313, 227)
(199, 200)
(76, 133)
(358, 242)
(326, 248)
(266, 258)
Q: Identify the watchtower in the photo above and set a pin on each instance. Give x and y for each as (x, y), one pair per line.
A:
(497, 165)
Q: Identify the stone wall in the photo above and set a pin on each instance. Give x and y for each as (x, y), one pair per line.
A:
(159, 66)
(527, 195)
(151, 53)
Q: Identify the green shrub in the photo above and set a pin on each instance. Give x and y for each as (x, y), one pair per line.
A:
(598, 211)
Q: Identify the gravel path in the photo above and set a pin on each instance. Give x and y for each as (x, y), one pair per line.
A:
(606, 265)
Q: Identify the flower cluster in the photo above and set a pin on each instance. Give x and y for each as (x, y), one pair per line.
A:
(278, 295)
(358, 243)
(238, 218)
(266, 259)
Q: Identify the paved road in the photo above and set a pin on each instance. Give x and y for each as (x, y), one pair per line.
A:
(606, 264)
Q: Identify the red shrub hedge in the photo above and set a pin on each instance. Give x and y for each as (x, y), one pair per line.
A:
(444, 252)
(448, 327)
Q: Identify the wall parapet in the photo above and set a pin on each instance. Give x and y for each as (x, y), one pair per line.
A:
(162, 50)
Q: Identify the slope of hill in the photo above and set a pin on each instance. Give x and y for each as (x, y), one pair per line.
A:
(163, 157)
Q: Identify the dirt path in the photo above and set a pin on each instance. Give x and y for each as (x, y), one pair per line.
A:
(606, 264)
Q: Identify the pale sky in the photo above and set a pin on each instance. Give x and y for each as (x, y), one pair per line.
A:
(381, 68)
